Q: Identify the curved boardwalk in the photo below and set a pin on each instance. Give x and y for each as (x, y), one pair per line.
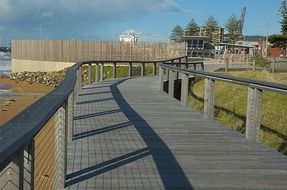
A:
(129, 135)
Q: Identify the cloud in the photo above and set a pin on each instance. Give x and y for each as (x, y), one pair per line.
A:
(15, 10)
(72, 17)
(167, 6)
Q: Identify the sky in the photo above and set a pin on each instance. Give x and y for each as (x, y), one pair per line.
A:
(153, 20)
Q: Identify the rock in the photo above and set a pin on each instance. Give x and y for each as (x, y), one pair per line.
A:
(49, 79)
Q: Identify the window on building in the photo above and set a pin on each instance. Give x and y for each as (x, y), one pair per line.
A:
(200, 44)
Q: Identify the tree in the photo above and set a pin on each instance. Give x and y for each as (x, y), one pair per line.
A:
(283, 12)
(232, 26)
(278, 40)
(192, 29)
(176, 34)
(211, 26)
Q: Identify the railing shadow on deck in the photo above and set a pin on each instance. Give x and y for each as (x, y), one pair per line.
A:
(106, 166)
(151, 139)
(95, 93)
(101, 130)
(96, 114)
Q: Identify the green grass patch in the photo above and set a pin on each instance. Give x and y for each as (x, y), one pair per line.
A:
(122, 71)
(231, 106)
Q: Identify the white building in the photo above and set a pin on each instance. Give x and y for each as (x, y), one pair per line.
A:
(129, 37)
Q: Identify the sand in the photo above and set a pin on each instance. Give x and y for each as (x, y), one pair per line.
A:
(24, 95)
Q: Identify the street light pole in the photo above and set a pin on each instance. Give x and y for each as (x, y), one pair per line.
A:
(267, 39)
(265, 54)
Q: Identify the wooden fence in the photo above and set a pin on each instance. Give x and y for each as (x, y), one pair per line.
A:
(75, 50)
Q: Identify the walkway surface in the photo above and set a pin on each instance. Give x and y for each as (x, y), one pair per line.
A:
(129, 135)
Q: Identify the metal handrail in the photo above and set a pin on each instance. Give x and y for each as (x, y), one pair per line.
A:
(19, 131)
(277, 87)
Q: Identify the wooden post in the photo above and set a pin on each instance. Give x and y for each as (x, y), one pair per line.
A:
(154, 69)
(273, 66)
(130, 72)
(253, 117)
(171, 79)
(142, 69)
(202, 66)
(161, 77)
(89, 74)
(114, 70)
(226, 66)
(97, 72)
(254, 65)
(102, 75)
(209, 99)
(184, 88)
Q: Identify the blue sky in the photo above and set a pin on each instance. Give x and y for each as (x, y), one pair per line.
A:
(107, 19)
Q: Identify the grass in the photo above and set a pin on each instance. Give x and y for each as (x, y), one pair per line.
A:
(231, 105)
(122, 71)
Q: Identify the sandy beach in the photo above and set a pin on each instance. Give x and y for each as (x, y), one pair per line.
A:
(19, 95)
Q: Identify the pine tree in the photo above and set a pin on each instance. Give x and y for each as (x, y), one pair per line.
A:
(176, 34)
(232, 26)
(192, 29)
(283, 12)
(211, 26)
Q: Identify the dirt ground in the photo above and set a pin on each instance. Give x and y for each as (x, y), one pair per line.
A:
(25, 95)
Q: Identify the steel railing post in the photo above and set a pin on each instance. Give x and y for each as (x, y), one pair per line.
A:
(253, 117)
(142, 69)
(61, 146)
(114, 70)
(70, 117)
(161, 77)
(97, 72)
(209, 99)
(171, 78)
(102, 72)
(184, 88)
(89, 74)
(130, 72)
(154, 69)
(79, 80)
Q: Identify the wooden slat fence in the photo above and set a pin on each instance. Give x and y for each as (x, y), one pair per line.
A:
(76, 50)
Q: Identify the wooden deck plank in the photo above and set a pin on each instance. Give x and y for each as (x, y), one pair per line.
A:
(129, 135)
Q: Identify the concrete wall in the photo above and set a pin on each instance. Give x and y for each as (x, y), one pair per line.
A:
(19, 65)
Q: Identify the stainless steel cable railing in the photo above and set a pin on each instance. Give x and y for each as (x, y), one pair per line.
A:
(33, 144)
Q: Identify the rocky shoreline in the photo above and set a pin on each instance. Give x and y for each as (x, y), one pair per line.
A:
(47, 78)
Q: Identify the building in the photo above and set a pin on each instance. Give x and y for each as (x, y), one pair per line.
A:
(221, 48)
(197, 46)
(128, 37)
(217, 35)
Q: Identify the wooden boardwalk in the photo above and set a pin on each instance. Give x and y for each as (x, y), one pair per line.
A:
(129, 135)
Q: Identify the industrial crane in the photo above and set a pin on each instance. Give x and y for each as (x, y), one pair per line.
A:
(241, 21)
